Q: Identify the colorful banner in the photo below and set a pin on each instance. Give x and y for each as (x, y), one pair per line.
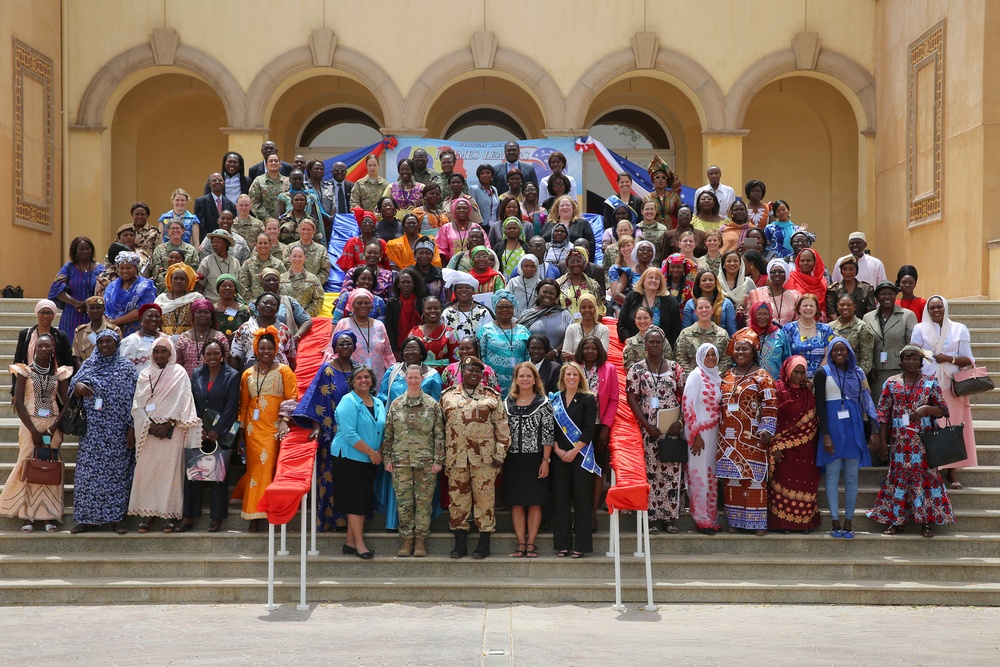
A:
(471, 154)
(355, 160)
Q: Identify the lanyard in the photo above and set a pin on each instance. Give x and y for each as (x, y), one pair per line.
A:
(152, 385)
(260, 383)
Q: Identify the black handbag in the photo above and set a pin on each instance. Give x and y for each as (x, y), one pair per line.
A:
(944, 445)
(74, 420)
(11, 292)
(671, 450)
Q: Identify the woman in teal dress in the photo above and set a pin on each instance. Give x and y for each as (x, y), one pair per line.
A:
(806, 336)
(316, 411)
(393, 386)
(773, 341)
(503, 343)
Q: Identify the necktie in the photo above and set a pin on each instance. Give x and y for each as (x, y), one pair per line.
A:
(218, 204)
(341, 201)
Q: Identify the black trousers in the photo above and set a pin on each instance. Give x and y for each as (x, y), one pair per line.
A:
(572, 488)
(194, 492)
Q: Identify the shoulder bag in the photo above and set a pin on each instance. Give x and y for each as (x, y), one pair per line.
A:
(74, 420)
(945, 445)
(972, 381)
(43, 468)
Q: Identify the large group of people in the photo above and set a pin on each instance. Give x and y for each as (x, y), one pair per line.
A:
(469, 359)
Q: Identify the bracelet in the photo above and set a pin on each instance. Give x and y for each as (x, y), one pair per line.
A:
(548, 460)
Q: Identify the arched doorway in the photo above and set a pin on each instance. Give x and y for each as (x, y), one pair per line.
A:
(165, 135)
(485, 125)
(335, 131)
(484, 101)
(803, 144)
(631, 133)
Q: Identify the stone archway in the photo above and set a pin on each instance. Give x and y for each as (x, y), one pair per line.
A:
(857, 84)
(163, 51)
(645, 55)
(321, 55)
(487, 58)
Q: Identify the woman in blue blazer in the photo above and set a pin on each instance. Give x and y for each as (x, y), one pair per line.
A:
(360, 426)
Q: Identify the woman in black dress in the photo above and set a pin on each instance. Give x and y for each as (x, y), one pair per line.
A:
(215, 386)
(526, 468)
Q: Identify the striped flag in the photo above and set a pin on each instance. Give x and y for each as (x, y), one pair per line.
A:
(613, 164)
(355, 160)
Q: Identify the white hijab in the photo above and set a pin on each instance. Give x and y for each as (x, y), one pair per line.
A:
(702, 399)
(934, 338)
(777, 261)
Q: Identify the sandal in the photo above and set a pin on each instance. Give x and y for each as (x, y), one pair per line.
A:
(563, 553)
(51, 528)
(519, 553)
(577, 554)
(892, 530)
(169, 527)
(926, 530)
(670, 528)
(530, 551)
(185, 526)
(957, 486)
(28, 527)
(144, 526)
(120, 528)
(653, 530)
(82, 528)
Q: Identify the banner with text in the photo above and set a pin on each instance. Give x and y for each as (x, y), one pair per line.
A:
(471, 154)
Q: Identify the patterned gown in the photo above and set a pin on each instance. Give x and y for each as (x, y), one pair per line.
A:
(911, 491)
(502, 350)
(659, 392)
(749, 409)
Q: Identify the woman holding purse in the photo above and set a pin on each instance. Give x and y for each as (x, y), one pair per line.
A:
(42, 383)
(215, 386)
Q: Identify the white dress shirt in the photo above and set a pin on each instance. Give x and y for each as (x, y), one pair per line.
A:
(725, 194)
(870, 270)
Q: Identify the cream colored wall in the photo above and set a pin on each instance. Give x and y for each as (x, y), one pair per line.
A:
(803, 145)
(31, 257)
(950, 253)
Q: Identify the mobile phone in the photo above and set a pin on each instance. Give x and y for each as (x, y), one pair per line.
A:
(751, 242)
(46, 439)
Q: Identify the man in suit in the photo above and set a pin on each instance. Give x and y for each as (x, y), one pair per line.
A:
(208, 207)
(267, 149)
(512, 153)
(341, 187)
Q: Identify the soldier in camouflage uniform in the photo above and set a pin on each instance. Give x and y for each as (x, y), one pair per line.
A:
(317, 257)
(413, 451)
(476, 439)
(305, 287)
(249, 276)
(702, 331)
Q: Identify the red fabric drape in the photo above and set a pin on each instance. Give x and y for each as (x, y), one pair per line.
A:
(297, 455)
(628, 459)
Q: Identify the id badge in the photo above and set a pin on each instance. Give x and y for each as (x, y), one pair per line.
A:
(231, 312)
(654, 403)
(92, 337)
(44, 412)
(883, 357)
(149, 339)
(256, 414)
(843, 414)
(235, 429)
(150, 407)
(734, 407)
(906, 420)
(98, 403)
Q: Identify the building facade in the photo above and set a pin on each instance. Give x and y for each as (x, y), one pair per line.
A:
(875, 115)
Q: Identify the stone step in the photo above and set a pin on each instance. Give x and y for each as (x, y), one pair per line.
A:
(181, 565)
(149, 590)
(981, 334)
(964, 307)
(25, 305)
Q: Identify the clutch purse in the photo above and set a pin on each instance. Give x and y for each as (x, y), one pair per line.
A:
(972, 381)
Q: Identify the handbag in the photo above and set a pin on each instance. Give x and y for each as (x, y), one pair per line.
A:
(74, 420)
(11, 292)
(944, 445)
(38, 470)
(671, 450)
(207, 466)
(972, 381)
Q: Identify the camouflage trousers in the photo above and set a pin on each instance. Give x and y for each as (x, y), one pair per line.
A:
(472, 492)
(414, 495)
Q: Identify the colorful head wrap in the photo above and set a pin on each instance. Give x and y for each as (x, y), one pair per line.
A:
(658, 164)
(360, 214)
(201, 304)
(147, 306)
(129, 257)
(355, 293)
(454, 203)
(577, 250)
(790, 364)
(227, 276)
(106, 333)
(747, 334)
(192, 277)
(504, 295)
(344, 332)
(516, 221)
(45, 303)
(260, 333)
(752, 318)
(478, 249)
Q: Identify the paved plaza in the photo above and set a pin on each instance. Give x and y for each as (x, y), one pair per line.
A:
(494, 635)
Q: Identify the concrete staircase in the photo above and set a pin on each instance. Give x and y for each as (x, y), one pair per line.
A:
(961, 566)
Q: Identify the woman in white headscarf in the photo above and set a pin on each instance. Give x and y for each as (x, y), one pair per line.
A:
(702, 409)
(523, 285)
(166, 423)
(781, 298)
(950, 347)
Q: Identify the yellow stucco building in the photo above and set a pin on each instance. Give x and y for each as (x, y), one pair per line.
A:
(876, 115)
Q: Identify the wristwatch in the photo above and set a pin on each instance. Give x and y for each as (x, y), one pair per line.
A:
(548, 460)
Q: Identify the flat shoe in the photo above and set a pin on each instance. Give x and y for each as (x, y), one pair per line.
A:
(51, 528)
(349, 550)
(82, 528)
(848, 534)
(120, 528)
(836, 533)
(367, 555)
(214, 526)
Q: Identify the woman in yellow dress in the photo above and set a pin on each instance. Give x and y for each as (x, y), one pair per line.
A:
(268, 393)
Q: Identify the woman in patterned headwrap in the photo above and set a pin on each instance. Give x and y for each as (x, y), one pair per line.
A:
(268, 391)
(175, 303)
(576, 283)
(504, 344)
(124, 296)
(191, 343)
(666, 192)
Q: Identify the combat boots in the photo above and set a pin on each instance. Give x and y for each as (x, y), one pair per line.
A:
(461, 549)
(407, 549)
(419, 547)
(483, 547)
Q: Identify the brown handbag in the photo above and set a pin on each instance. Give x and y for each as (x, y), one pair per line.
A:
(39, 470)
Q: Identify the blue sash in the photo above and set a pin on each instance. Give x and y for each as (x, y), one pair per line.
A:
(573, 433)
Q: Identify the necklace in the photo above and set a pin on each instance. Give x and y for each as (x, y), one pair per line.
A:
(366, 333)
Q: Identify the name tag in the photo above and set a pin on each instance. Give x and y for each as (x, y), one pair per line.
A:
(733, 407)
(654, 403)
(235, 429)
(149, 339)
(98, 403)
(577, 317)
(231, 312)
(883, 357)
(906, 420)
(216, 420)
(44, 412)
(843, 414)
(256, 415)
(150, 407)
(92, 337)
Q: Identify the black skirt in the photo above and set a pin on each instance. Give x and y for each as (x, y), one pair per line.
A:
(521, 485)
(353, 486)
